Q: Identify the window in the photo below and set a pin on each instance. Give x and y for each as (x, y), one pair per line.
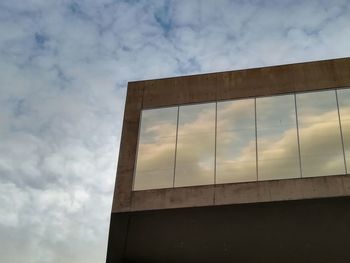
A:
(195, 153)
(156, 149)
(278, 152)
(254, 139)
(320, 139)
(343, 96)
(236, 141)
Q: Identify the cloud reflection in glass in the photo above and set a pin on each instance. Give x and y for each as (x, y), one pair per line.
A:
(344, 111)
(320, 140)
(236, 142)
(256, 139)
(278, 154)
(156, 150)
(195, 145)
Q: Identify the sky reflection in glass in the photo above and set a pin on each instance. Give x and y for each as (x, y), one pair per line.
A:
(320, 140)
(256, 139)
(236, 141)
(195, 145)
(278, 154)
(344, 110)
(156, 151)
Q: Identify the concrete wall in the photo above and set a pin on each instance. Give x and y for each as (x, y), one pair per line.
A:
(307, 231)
(220, 86)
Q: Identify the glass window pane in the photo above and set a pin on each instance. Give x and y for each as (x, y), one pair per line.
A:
(320, 141)
(156, 149)
(195, 145)
(235, 142)
(278, 154)
(344, 110)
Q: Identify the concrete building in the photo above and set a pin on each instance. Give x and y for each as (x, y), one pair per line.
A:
(240, 166)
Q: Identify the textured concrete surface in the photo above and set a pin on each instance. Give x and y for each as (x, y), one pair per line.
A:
(219, 86)
(239, 193)
(173, 198)
(128, 146)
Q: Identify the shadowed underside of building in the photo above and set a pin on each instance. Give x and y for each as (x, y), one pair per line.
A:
(281, 195)
(291, 231)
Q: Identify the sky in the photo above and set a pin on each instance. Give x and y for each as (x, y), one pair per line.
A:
(64, 68)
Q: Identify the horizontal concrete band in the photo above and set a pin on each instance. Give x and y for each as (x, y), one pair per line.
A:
(214, 87)
(239, 193)
(238, 84)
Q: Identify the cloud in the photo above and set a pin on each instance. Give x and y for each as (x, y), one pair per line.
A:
(64, 68)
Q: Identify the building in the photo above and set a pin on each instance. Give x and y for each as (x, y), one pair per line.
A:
(245, 166)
